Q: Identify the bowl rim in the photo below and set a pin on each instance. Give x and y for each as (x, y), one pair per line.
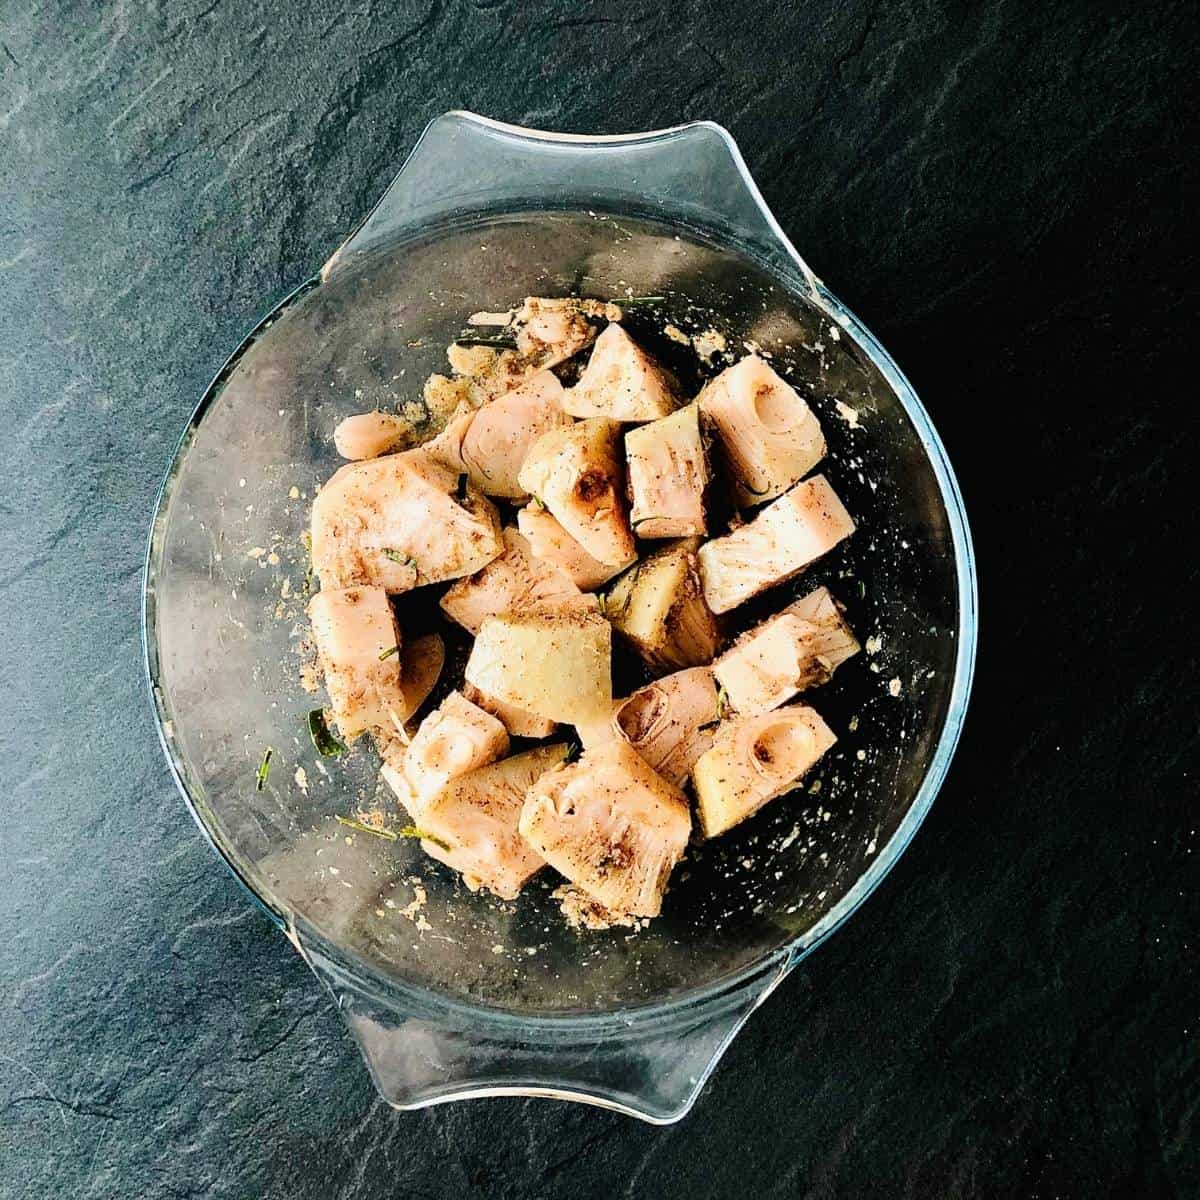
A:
(728, 989)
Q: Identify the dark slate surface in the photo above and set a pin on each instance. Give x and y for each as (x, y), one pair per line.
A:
(1005, 193)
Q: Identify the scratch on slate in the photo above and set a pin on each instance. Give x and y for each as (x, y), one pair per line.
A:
(138, 98)
(12, 58)
(50, 1094)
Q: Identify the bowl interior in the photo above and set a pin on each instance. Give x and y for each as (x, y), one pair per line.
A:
(227, 629)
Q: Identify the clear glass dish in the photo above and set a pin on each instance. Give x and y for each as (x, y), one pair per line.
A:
(452, 994)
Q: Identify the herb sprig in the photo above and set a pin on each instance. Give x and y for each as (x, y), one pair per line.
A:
(496, 342)
(264, 769)
(391, 835)
(323, 740)
(401, 557)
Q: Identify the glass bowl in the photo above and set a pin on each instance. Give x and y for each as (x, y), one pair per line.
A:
(453, 994)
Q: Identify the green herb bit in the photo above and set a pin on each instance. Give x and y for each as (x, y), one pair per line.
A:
(411, 831)
(388, 653)
(326, 745)
(707, 726)
(399, 556)
(264, 769)
(639, 299)
(722, 704)
(498, 342)
(573, 751)
(391, 835)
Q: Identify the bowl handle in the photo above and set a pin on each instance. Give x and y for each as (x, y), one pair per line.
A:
(654, 1069)
(464, 164)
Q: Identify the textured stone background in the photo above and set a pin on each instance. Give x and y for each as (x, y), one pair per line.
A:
(1004, 191)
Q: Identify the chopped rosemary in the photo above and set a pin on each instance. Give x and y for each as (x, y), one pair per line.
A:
(399, 556)
(388, 653)
(707, 726)
(499, 342)
(639, 299)
(264, 769)
(573, 751)
(391, 835)
(323, 741)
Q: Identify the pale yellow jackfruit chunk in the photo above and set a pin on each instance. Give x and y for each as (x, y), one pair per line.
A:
(658, 606)
(368, 435)
(576, 473)
(511, 581)
(554, 661)
(550, 541)
(785, 537)
(769, 435)
(611, 825)
(670, 722)
(490, 443)
(455, 738)
(354, 630)
(398, 522)
(796, 649)
(753, 760)
(621, 382)
(474, 819)
(668, 474)
(516, 720)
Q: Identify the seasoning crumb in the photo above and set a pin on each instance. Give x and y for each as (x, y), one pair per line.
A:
(894, 686)
(580, 911)
(709, 343)
(413, 908)
(301, 778)
(677, 335)
(848, 414)
(293, 492)
(873, 644)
